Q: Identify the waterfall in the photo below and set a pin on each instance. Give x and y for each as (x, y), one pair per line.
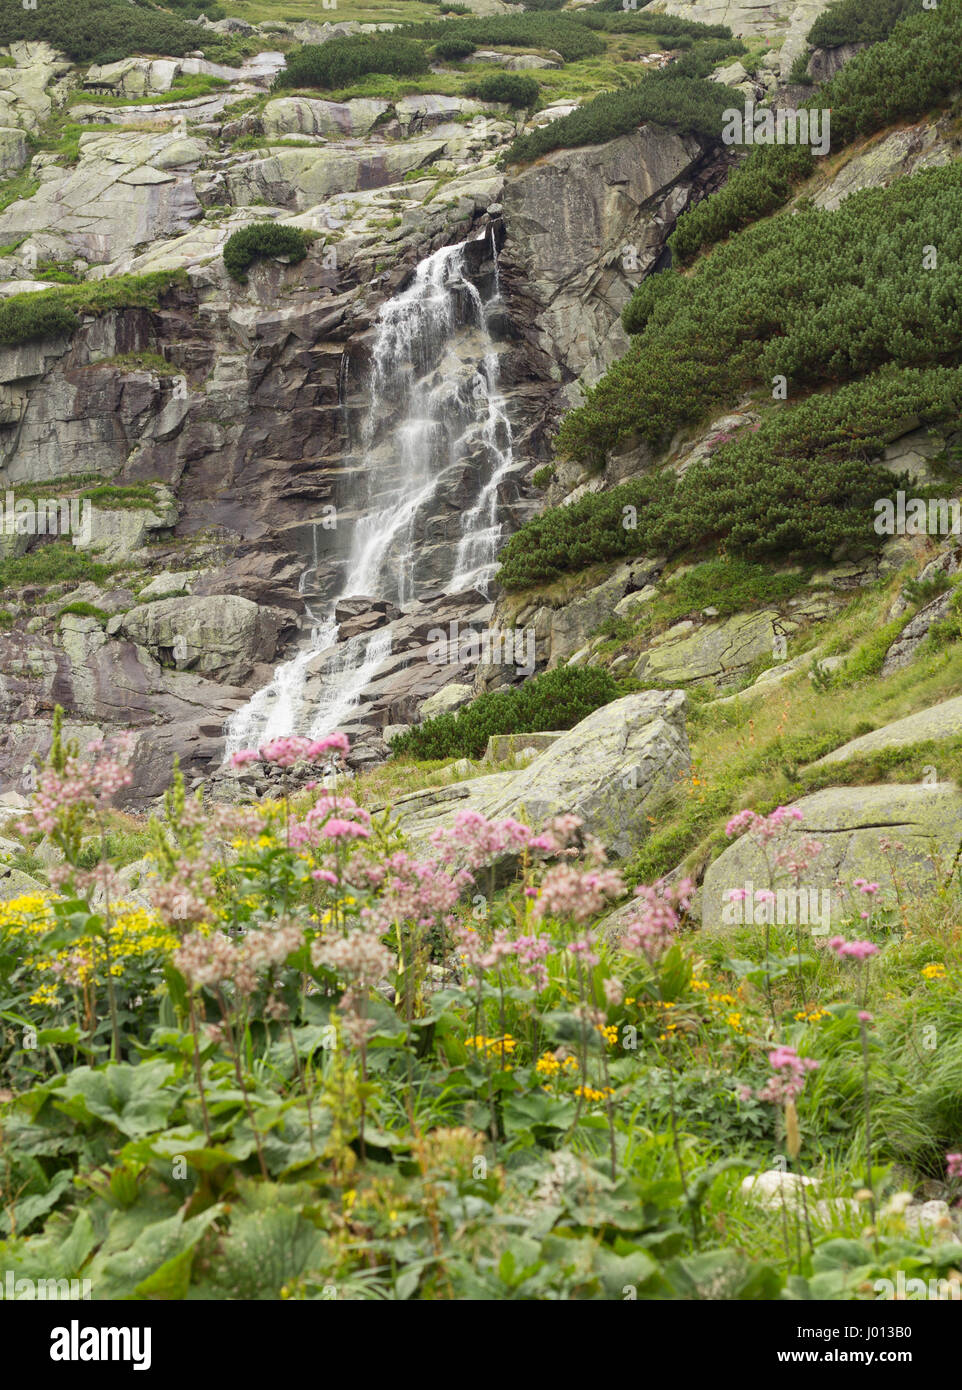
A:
(435, 418)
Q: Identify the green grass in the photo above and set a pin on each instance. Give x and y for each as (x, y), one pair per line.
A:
(138, 362)
(358, 11)
(728, 584)
(62, 137)
(754, 752)
(80, 609)
(17, 189)
(126, 496)
(46, 565)
(44, 313)
(579, 80)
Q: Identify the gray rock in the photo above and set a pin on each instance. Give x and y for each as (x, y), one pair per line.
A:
(14, 150)
(306, 116)
(905, 151)
(222, 636)
(937, 722)
(502, 748)
(849, 822)
(607, 770)
(14, 883)
(168, 584)
(633, 603)
(731, 75)
(448, 699)
(118, 533)
(826, 62)
(570, 217)
(903, 650)
(714, 651)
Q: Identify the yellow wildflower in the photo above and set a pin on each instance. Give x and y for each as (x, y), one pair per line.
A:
(590, 1093)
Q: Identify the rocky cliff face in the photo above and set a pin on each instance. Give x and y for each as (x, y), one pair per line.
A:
(240, 407)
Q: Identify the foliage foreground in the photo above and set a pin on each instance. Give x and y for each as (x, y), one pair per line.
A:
(299, 1062)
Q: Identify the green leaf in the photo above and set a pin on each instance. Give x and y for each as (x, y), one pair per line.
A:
(119, 1274)
(407, 1282)
(134, 1100)
(172, 1280)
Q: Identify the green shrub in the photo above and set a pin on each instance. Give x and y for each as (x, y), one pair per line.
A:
(22, 319)
(803, 483)
(558, 699)
(242, 248)
(610, 15)
(49, 313)
(799, 72)
(558, 31)
(339, 62)
(650, 292)
(900, 77)
(100, 31)
(852, 21)
(818, 297)
(701, 59)
(510, 87)
(126, 496)
(691, 105)
(454, 48)
(542, 476)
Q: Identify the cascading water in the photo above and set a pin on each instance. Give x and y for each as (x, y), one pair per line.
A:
(435, 375)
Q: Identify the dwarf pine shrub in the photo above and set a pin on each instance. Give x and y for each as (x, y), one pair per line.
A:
(242, 248)
(340, 62)
(103, 31)
(513, 88)
(916, 67)
(817, 298)
(454, 48)
(691, 105)
(558, 699)
(802, 483)
(851, 21)
(561, 32)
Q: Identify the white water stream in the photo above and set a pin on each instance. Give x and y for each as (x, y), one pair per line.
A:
(418, 368)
